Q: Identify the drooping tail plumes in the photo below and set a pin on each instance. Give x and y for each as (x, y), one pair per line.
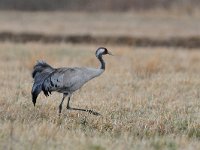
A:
(40, 72)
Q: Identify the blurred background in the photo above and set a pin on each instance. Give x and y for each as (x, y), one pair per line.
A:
(128, 22)
(103, 5)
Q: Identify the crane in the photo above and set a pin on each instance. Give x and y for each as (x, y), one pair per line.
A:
(65, 80)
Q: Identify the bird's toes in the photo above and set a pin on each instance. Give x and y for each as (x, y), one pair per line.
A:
(90, 111)
(94, 113)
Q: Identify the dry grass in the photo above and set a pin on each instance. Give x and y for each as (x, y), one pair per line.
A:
(148, 98)
(154, 24)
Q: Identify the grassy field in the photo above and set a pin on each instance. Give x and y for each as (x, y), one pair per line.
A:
(149, 98)
(155, 24)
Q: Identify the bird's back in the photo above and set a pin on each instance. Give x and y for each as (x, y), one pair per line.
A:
(68, 80)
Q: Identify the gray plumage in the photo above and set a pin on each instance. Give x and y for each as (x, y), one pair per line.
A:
(64, 80)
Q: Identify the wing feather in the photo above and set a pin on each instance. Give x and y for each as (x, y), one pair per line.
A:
(66, 80)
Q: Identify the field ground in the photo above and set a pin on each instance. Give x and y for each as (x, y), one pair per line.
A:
(154, 24)
(149, 98)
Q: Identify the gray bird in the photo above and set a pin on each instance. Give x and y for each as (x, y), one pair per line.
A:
(64, 80)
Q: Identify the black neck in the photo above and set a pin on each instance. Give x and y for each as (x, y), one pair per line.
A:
(102, 62)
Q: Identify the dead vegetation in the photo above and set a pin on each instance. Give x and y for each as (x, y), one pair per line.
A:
(152, 25)
(132, 29)
(149, 99)
(185, 42)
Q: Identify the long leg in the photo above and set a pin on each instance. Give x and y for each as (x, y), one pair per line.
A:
(68, 107)
(60, 106)
(87, 110)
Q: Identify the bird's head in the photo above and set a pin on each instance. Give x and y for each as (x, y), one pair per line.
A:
(102, 51)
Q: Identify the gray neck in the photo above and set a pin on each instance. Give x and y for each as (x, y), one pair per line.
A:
(102, 66)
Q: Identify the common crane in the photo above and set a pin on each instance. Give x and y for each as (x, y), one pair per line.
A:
(65, 80)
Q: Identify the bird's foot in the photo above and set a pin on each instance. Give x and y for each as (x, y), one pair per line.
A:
(86, 110)
(93, 112)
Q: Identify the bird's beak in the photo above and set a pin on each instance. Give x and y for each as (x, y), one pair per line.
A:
(110, 53)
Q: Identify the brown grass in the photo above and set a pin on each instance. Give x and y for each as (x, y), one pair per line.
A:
(155, 24)
(148, 98)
